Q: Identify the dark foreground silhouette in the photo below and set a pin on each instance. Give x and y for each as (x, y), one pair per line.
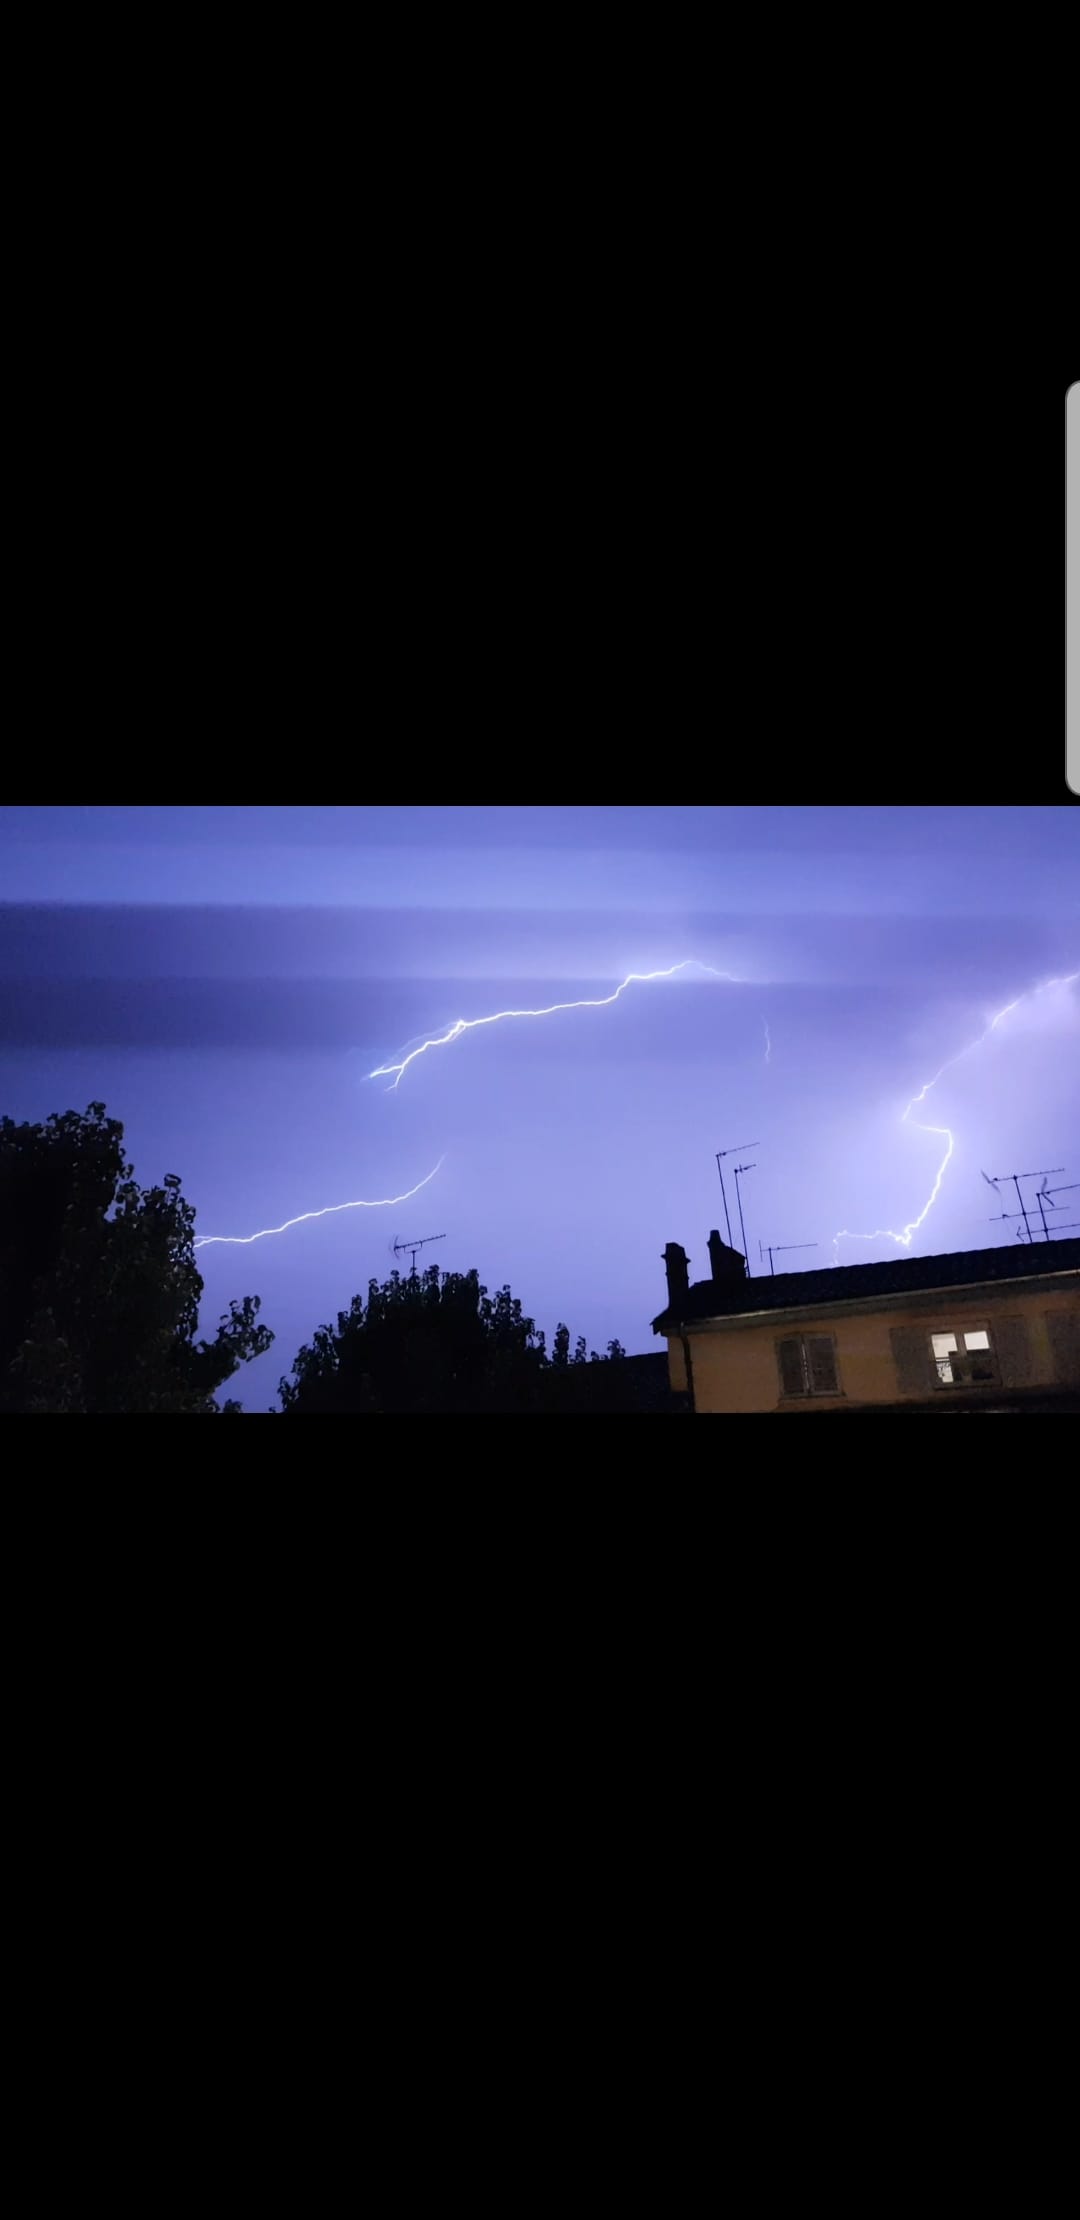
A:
(99, 1293)
(440, 1342)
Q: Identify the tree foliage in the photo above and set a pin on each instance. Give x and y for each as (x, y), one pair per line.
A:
(571, 1383)
(439, 1342)
(99, 1290)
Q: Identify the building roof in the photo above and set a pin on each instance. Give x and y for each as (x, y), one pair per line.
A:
(845, 1283)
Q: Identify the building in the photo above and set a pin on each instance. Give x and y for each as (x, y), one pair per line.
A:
(986, 1330)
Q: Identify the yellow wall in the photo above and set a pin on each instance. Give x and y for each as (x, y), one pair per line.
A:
(735, 1368)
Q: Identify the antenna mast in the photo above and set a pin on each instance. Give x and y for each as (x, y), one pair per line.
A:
(723, 1190)
(995, 1181)
(409, 1248)
(740, 1169)
(781, 1248)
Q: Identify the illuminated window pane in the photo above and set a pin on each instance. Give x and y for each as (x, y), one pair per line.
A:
(960, 1362)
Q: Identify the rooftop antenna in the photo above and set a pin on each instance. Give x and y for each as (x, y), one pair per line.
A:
(1016, 1178)
(1051, 1236)
(403, 1248)
(1045, 1198)
(723, 1190)
(1005, 1217)
(781, 1248)
(740, 1169)
(1046, 1195)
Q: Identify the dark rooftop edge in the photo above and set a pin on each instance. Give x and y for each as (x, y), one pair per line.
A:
(847, 1282)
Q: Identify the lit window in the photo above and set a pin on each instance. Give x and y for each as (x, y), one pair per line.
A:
(963, 1358)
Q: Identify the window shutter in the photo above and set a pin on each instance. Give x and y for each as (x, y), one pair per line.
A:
(1063, 1330)
(821, 1354)
(792, 1377)
(916, 1372)
(1012, 1343)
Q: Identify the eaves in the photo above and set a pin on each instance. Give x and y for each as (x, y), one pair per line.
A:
(922, 1301)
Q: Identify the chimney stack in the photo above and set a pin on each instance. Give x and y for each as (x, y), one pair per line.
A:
(725, 1264)
(677, 1267)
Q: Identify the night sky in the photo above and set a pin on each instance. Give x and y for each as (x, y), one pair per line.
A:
(225, 980)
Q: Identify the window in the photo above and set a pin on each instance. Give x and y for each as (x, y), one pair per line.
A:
(962, 1358)
(808, 1365)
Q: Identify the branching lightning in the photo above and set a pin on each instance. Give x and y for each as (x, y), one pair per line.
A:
(904, 1238)
(396, 1072)
(244, 1240)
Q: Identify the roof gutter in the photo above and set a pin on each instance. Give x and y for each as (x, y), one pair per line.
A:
(689, 1363)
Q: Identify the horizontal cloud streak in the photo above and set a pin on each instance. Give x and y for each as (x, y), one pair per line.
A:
(511, 879)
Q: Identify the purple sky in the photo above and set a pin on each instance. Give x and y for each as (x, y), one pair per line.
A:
(225, 979)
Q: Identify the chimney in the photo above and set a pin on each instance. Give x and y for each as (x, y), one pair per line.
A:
(725, 1264)
(677, 1266)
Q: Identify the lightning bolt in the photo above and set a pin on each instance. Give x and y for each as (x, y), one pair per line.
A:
(768, 1041)
(904, 1238)
(243, 1240)
(396, 1072)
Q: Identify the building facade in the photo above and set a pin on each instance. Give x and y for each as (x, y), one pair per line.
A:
(984, 1330)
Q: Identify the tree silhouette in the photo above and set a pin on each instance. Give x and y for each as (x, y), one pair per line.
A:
(99, 1291)
(440, 1342)
(436, 1342)
(570, 1384)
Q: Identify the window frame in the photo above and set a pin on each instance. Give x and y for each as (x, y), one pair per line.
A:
(964, 1356)
(808, 1392)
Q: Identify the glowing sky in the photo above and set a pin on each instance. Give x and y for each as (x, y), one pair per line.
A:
(227, 980)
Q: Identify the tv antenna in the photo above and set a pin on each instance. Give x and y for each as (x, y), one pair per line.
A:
(1016, 1177)
(740, 1171)
(1050, 1235)
(409, 1248)
(723, 1190)
(1046, 1195)
(781, 1248)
